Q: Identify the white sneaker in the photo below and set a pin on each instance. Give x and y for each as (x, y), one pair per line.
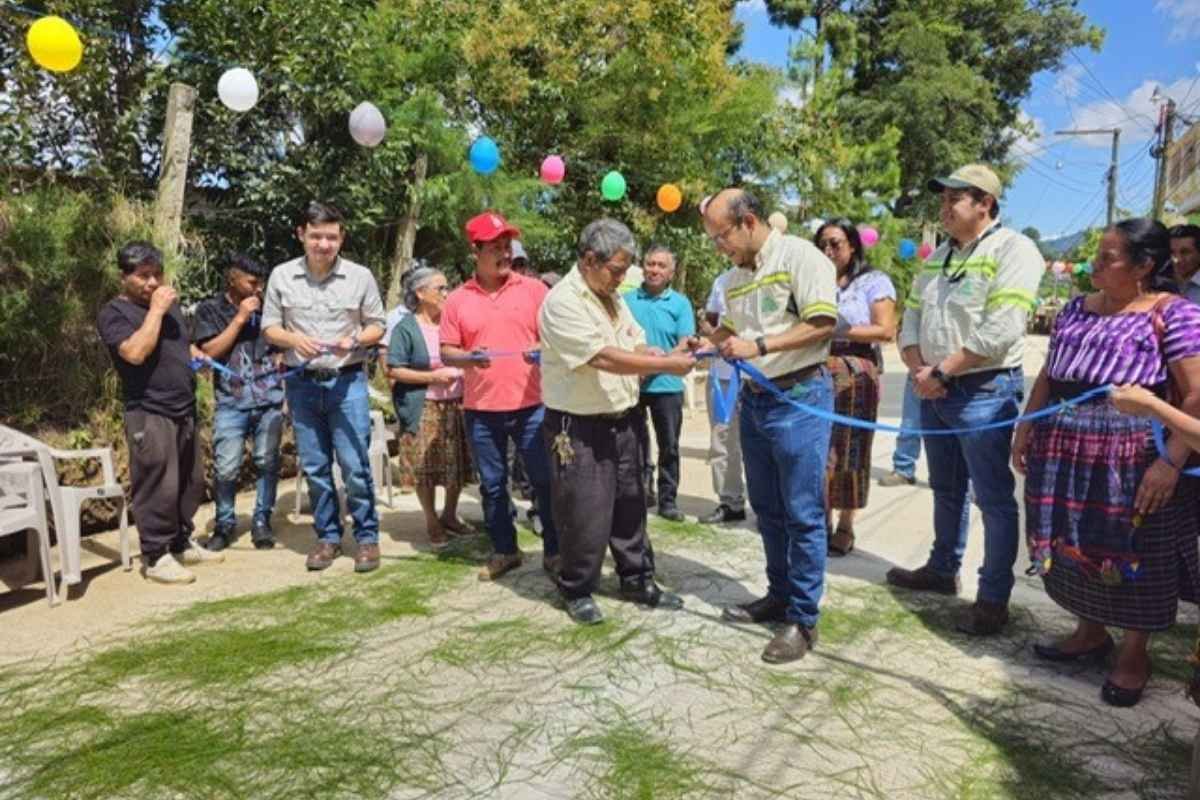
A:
(198, 555)
(168, 570)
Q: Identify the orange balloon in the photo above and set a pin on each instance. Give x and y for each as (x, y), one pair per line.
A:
(670, 198)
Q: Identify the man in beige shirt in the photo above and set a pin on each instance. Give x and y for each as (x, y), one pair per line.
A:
(781, 306)
(593, 356)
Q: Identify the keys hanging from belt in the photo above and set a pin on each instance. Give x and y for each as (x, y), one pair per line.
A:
(562, 445)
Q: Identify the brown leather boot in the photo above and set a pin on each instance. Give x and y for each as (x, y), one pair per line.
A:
(923, 580)
(367, 558)
(322, 555)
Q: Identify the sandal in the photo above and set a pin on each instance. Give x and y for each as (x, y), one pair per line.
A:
(841, 542)
(457, 527)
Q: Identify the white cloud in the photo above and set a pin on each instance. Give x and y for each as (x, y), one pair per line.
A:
(1185, 14)
(1067, 82)
(753, 6)
(1136, 115)
(1026, 143)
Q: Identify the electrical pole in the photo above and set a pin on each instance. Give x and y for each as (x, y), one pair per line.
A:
(1166, 136)
(1112, 169)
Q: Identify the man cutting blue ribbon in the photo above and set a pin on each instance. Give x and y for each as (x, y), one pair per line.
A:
(781, 307)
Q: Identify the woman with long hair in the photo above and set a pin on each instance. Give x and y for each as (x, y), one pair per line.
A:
(866, 318)
(1110, 524)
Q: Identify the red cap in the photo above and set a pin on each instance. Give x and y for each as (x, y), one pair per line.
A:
(488, 226)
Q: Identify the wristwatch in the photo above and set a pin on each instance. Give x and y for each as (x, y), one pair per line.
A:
(938, 375)
(762, 345)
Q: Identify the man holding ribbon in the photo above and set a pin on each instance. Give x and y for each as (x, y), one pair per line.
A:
(963, 341)
(324, 312)
(489, 328)
(249, 393)
(781, 307)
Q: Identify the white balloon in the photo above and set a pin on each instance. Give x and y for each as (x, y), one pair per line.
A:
(367, 126)
(778, 221)
(238, 89)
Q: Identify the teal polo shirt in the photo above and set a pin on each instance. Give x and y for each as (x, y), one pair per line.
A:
(667, 319)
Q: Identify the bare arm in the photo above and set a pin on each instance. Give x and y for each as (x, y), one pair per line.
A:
(138, 347)
(882, 327)
(305, 346)
(421, 377)
(1142, 402)
(454, 356)
(220, 345)
(626, 362)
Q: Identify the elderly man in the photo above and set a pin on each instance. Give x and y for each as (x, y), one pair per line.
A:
(781, 310)
(593, 354)
(666, 317)
(325, 312)
(497, 311)
(146, 335)
(1185, 259)
(963, 343)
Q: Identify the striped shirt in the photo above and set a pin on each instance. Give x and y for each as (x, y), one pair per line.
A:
(980, 300)
(792, 282)
(1121, 348)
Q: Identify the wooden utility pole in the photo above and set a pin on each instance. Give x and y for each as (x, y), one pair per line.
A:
(406, 238)
(1112, 169)
(172, 180)
(1167, 135)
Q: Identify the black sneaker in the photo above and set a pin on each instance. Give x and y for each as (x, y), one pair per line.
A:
(671, 513)
(723, 513)
(219, 540)
(262, 535)
(584, 610)
(645, 592)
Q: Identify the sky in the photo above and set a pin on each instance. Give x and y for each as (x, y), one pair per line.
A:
(1148, 44)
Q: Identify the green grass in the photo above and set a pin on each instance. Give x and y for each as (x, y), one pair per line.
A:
(686, 533)
(522, 640)
(626, 761)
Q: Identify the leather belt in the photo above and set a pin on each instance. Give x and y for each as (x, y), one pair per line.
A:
(788, 380)
(331, 373)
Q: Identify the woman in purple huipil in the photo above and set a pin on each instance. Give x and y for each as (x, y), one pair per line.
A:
(1110, 523)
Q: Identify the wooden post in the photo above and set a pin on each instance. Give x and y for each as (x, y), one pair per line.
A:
(406, 239)
(172, 180)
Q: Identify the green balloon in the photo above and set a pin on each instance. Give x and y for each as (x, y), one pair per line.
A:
(613, 186)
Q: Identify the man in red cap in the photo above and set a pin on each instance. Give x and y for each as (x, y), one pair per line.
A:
(496, 312)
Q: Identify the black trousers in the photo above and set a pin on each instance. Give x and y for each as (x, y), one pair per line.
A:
(666, 414)
(599, 500)
(168, 480)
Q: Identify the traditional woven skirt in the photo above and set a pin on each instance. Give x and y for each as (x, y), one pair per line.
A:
(1083, 470)
(856, 394)
(438, 454)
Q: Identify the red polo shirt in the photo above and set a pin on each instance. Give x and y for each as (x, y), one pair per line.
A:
(504, 321)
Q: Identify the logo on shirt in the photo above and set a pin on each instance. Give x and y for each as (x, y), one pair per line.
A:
(769, 305)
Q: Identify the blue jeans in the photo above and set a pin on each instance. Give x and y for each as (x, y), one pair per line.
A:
(784, 450)
(490, 432)
(332, 417)
(908, 445)
(976, 461)
(230, 429)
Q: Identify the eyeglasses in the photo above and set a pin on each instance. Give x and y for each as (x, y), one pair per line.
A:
(720, 237)
(831, 244)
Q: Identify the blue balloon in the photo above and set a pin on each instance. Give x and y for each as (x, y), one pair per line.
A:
(908, 249)
(485, 155)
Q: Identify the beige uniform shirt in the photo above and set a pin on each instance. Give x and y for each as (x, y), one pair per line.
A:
(575, 327)
(980, 301)
(792, 282)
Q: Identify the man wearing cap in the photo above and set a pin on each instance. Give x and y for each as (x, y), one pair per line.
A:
(963, 343)
(324, 312)
(594, 354)
(496, 311)
(781, 307)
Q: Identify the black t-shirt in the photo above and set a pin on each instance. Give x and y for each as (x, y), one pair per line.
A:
(162, 384)
(251, 357)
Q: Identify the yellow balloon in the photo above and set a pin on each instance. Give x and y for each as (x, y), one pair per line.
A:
(669, 197)
(54, 44)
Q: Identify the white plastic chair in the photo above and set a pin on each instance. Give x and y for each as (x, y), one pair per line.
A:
(22, 508)
(66, 502)
(381, 473)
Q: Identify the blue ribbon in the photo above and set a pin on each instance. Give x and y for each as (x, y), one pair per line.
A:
(200, 363)
(742, 368)
(1160, 442)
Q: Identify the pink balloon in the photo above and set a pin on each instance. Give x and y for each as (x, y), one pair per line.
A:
(553, 169)
(925, 251)
(869, 236)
